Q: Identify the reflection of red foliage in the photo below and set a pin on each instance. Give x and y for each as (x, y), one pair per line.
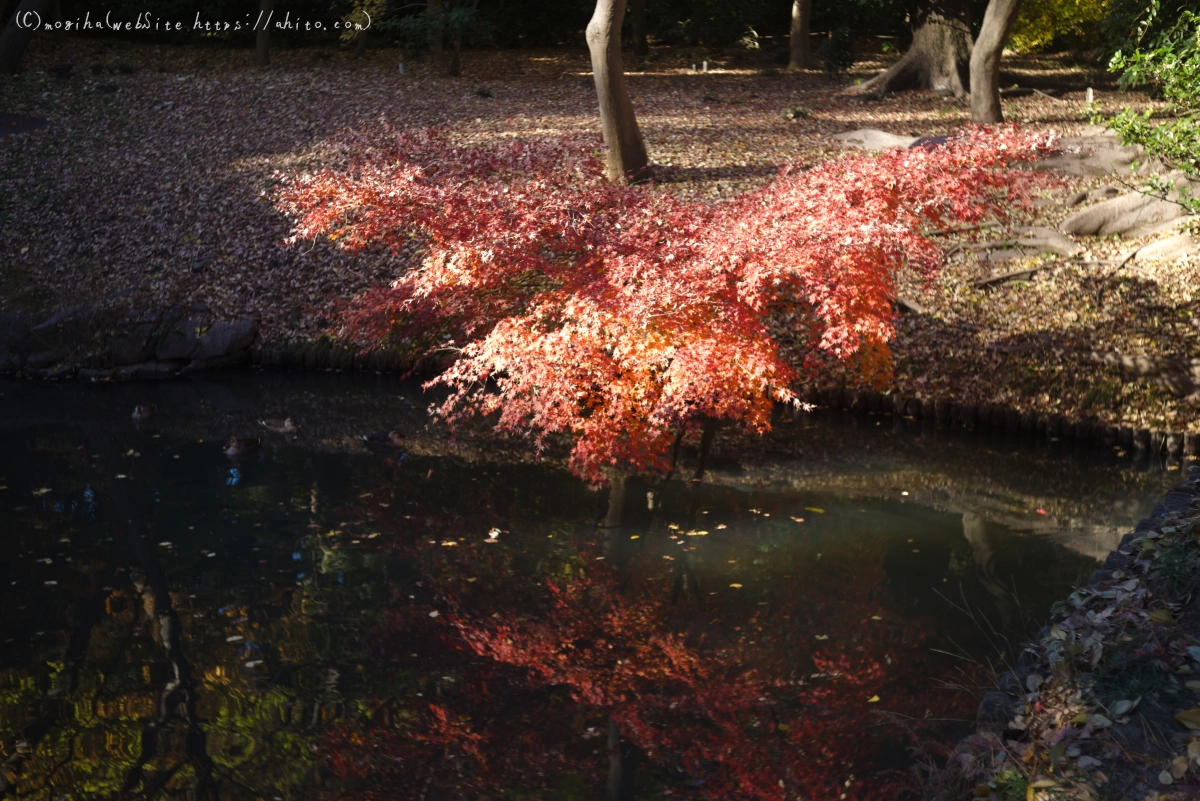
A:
(720, 708)
(618, 313)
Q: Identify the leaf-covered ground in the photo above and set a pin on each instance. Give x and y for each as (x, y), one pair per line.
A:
(151, 188)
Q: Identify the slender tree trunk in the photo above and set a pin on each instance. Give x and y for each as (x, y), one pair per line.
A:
(637, 16)
(627, 158)
(940, 55)
(801, 57)
(985, 60)
(16, 37)
(435, 10)
(262, 38)
(454, 59)
(621, 762)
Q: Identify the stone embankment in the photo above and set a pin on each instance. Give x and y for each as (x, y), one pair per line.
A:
(1105, 702)
(86, 342)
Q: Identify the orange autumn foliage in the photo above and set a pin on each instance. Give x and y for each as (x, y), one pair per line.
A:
(620, 314)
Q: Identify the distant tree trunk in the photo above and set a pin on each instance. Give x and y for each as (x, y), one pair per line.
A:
(621, 762)
(15, 39)
(627, 159)
(801, 57)
(985, 60)
(940, 56)
(637, 16)
(454, 59)
(262, 39)
(435, 10)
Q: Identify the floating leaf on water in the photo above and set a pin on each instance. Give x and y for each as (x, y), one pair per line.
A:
(1125, 706)
(1162, 616)
(1189, 718)
(164, 545)
(44, 490)
(254, 663)
(434, 613)
(120, 475)
(669, 558)
(784, 727)
(874, 699)
(635, 536)
(798, 519)
(1165, 778)
(736, 586)
(449, 544)
(471, 579)
(814, 509)
(822, 636)
(50, 583)
(234, 638)
(876, 617)
(721, 525)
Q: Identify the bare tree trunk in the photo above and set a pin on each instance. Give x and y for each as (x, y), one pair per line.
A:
(262, 39)
(801, 57)
(19, 32)
(435, 10)
(454, 59)
(627, 158)
(939, 58)
(985, 60)
(637, 16)
(621, 761)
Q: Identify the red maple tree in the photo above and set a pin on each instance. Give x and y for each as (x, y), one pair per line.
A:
(619, 314)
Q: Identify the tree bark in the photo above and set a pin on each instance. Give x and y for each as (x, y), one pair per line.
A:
(985, 60)
(622, 758)
(15, 39)
(627, 158)
(637, 16)
(435, 9)
(801, 57)
(940, 55)
(262, 38)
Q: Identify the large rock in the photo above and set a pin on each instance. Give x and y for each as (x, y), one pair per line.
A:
(1173, 248)
(873, 139)
(1130, 215)
(1098, 153)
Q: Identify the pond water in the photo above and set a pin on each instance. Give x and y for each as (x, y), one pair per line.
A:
(318, 618)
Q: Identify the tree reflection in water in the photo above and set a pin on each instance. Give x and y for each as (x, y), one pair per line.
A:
(295, 625)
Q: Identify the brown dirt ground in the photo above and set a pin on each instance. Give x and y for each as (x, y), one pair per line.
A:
(149, 188)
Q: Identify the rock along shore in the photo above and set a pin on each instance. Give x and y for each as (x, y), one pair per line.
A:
(1105, 702)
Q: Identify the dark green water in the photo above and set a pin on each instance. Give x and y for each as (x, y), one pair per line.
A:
(318, 619)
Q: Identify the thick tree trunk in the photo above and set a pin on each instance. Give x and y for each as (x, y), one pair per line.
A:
(801, 57)
(637, 16)
(454, 58)
(985, 60)
(262, 38)
(19, 33)
(939, 58)
(627, 159)
(621, 762)
(435, 9)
